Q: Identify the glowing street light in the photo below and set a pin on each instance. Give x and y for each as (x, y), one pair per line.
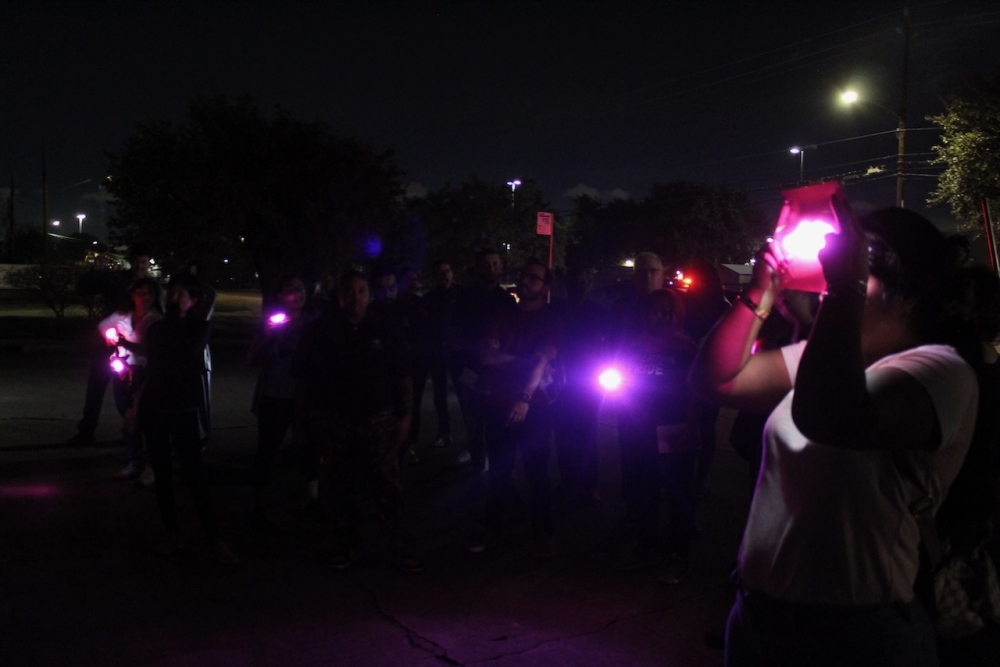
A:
(55, 223)
(513, 186)
(852, 97)
(80, 217)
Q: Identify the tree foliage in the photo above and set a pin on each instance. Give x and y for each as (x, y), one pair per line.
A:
(680, 221)
(970, 150)
(228, 181)
(460, 220)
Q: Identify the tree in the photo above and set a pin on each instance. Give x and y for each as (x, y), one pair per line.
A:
(680, 221)
(230, 183)
(970, 150)
(460, 220)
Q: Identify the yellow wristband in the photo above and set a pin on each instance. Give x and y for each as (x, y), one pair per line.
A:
(761, 313)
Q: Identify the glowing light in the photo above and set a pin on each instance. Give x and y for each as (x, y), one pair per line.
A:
(629, 263)
(807, 239)
(277, 318)
(610, 379)
(28, 491)
(117, 366)
(112, 335)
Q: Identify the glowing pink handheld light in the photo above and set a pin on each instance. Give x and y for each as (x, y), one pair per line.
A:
(807, 216)
(276, 319)
(111, 335)
(117, 365)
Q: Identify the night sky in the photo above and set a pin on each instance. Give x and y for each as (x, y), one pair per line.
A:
(603, 98)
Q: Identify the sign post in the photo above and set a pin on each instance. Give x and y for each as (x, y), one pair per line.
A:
(544, 227)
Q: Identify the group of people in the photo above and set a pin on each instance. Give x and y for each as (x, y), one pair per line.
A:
(872, 393)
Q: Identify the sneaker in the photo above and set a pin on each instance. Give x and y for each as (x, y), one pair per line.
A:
(223, 554)
(675, 572)
(169, 543)
(443, 441)
(409, 563)
(131, 471)
(147, 478)
(464, 458)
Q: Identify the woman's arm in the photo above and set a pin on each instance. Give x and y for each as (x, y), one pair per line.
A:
(724, 370)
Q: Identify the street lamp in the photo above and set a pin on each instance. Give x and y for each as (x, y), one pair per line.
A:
(80, 217)
(801, 152)
(55, 223)
(851, 97)
(513, 186)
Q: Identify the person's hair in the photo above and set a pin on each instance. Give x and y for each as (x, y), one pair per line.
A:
(483, 252)
(647, 256)
(287, 279)
(347, 277)
(666, 296)
(126, 305)
(534, 261)
(915, 261)
(381, 272)
(982, 301)
(441, 262)
(190, 282)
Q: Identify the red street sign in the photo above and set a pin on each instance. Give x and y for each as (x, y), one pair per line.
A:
(544, 224)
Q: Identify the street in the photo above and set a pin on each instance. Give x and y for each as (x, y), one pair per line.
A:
(78, 585)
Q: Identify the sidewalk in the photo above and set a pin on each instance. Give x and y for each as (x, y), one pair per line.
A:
(79, 587)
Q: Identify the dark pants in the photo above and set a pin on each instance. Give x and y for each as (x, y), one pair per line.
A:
(442, 368)
(420, 368)
(763, 631)
(532, 438)
(274, 417)
(98, 377)
(178, 432)
(359, 458)
(644, 472)
(575, 425)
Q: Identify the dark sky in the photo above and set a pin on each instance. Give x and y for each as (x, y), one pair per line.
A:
(606, 98)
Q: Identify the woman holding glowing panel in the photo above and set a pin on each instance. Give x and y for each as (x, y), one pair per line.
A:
(869, 417)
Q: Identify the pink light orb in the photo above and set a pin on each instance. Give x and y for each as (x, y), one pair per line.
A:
(277, 318)
(112, 335)
(807, 239)
(117, 366)
(610, 379)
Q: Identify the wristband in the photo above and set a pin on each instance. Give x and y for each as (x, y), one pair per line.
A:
(761, 313)
(524, 398)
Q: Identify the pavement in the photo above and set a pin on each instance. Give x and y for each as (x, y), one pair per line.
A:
(79, 586)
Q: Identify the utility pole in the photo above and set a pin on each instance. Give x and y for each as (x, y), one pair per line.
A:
(45, 209)
(901, 128)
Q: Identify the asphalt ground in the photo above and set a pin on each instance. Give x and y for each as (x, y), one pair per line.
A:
(79, 586)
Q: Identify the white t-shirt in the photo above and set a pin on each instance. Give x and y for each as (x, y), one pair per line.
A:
(833, 526)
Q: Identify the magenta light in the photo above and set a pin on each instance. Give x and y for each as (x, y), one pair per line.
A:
(112, 335)
(117, 366)
(610, 379)
(278, 318)
(807, 239)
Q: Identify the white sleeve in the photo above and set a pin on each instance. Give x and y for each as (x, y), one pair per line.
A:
(792, 355)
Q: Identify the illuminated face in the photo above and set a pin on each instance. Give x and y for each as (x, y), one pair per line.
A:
(293, 295)
(648, 275)
(143, 297)
(179, 298)
(354, 298)
(386, 288)
(531, 283)
(444, 275)
(490, 268)
(140, 266)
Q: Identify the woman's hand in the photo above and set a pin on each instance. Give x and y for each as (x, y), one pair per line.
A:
(845, 257)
